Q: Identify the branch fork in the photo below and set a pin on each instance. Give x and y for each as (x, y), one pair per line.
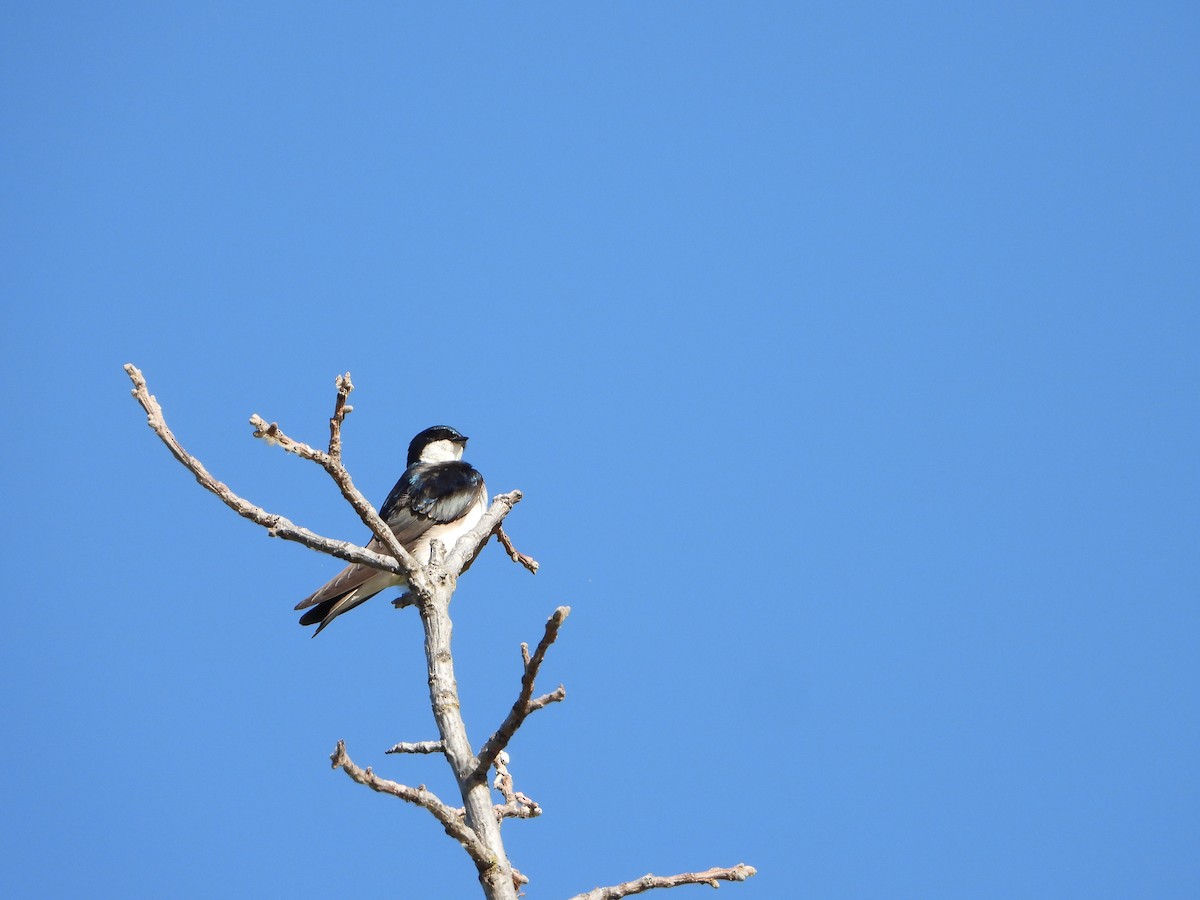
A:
(450, 818)
(331, 462)
(516, 805)
(525, 704)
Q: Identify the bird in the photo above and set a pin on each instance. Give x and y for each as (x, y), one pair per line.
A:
(439, 496)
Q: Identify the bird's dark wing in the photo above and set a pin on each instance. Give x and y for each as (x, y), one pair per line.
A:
(428, 495)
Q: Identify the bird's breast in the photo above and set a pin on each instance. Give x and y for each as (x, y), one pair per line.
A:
(450, 532)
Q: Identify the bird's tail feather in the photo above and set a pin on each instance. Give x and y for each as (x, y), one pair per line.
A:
(353, 585)
(328, 610)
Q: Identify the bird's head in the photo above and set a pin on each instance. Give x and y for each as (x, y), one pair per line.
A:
(441, 443)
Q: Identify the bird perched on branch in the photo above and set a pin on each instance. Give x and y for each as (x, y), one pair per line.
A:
(438, 496)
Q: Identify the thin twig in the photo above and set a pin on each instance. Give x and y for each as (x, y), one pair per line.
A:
(276, 525)
(516, 805)
(417, 747)
(450, 818)
(523, 707)
(711, 877)
(558, 695)
(521, 807)
(273, 434)
(467, 548)
(340, 410)
(514, 554)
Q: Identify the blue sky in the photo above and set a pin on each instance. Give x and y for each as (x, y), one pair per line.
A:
(846, 354)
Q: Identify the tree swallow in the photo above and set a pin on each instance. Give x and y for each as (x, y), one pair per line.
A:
(438, 496)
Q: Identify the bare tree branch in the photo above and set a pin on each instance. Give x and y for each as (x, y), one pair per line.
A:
(417, 747)
(340, 410)
(467, 548)
(516, 805)
(276, 525)
(711, 877)
(497, 879)
(522, 708)
(450, 818)
(557, 695)
(459, 559)
(514, 554)
(273, 434)
(520, 807)
(476, 825)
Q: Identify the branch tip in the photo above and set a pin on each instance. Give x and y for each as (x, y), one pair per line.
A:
(711, 877)
(467, 548)
(513, 553)
(525, 704)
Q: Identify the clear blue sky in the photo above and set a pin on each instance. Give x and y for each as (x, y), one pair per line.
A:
(846, 353)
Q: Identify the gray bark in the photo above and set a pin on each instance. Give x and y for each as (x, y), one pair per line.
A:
(496, 876)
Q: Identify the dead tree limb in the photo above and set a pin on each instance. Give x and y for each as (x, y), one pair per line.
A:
(331, 462)
(524, 704)
(516, 805)
(451, 819)
(711, 877)
(514, 554)
(276, 525)
(476, 825)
